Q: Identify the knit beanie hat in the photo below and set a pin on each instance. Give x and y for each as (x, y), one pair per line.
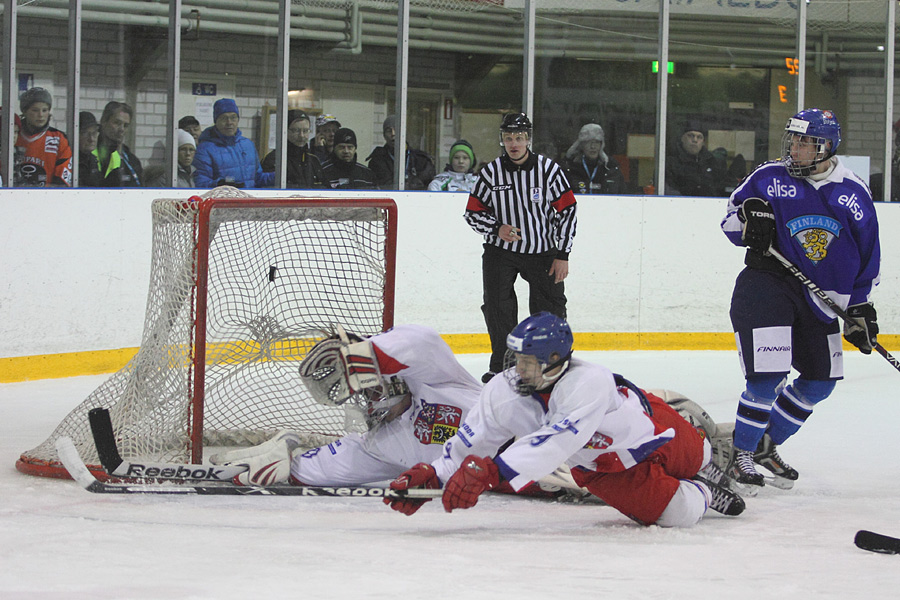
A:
(464, 146)
(589, 133)
(182, 137)
(224, 105)
(86, 119)
(692, 125)
(344, 136)
(187, 121)
(296, 114)
(389, 123)
(35, 94)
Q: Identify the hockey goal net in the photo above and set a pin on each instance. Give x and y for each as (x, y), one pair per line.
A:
(240, 289)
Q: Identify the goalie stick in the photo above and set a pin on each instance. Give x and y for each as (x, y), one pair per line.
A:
(829, 302)
(107, 449)
(105, 440)
(71, 460)
(876, 542)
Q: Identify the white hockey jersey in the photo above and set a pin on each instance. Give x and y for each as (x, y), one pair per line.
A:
(585, 421)
(442, 393)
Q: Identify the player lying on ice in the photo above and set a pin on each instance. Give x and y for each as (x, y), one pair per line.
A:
(627, 447)
(408, 386)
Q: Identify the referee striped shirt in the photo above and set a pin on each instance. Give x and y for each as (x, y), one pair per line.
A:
(535, 197)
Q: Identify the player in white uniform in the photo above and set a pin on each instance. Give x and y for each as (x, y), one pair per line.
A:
(627, 447)
(406, 382)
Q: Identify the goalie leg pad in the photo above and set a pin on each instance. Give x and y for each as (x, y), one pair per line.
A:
(267, 464)
(692, 412)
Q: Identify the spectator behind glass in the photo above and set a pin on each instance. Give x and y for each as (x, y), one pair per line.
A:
(184, 167)
(691, 169)
(88, 167)
(876, 180)
(192, 126)
(342, 171)
(458, 175)
(323, 144)
(419, 165)
(224, 156)
(588, 168)
(118, 165)
(43, 156)
(304, 171)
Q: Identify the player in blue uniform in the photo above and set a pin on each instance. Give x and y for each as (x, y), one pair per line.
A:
(820, 216)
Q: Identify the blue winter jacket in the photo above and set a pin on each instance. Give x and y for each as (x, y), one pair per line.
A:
(228, 160)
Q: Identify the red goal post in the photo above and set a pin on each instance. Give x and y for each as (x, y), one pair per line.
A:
(240, 289)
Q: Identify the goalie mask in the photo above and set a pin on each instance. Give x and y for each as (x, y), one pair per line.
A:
(538, 353)
(342, 370)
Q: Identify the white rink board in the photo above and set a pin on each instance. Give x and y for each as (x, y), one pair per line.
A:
(75, 268)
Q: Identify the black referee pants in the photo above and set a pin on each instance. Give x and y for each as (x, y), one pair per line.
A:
(499, 269)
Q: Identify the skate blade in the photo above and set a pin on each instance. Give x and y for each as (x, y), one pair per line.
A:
(780, 482)
(743, 489)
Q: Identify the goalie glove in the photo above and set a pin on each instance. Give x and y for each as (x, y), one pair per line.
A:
(863, 333)
(476, 476)
(757, 224)
(421, 475)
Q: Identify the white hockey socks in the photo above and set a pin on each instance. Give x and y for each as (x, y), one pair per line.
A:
(687, 506)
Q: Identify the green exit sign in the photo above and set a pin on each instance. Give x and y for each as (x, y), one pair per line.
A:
(670, 68)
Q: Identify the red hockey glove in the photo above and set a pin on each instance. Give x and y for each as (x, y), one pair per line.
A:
(421, 475)
(476, 475)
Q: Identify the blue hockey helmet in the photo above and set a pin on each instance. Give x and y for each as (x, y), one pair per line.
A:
(815, 127)
(548, 339)
(541, 335)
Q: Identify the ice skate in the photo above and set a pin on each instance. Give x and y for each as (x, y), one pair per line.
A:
(721, 499)
(766, 455)
(742, 471)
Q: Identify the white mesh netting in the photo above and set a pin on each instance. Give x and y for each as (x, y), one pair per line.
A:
(278, 276)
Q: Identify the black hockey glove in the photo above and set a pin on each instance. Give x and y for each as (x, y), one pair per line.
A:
(864, 333)
(758, 224)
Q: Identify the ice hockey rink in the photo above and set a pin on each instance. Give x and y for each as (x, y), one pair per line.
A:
(60, 541)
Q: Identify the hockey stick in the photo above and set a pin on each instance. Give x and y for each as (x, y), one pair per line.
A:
(876, 542)
(829, 302)
(116, 466)
(73, 463)
(105, 440)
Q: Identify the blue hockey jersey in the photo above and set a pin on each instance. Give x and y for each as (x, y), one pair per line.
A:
(826, 227)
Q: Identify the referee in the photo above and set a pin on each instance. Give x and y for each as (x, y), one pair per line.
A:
(524, 207)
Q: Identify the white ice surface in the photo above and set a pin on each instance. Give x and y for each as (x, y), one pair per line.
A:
(59, 541)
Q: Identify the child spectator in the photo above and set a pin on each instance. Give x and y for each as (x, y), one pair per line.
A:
(458, 175)
(45, 158)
